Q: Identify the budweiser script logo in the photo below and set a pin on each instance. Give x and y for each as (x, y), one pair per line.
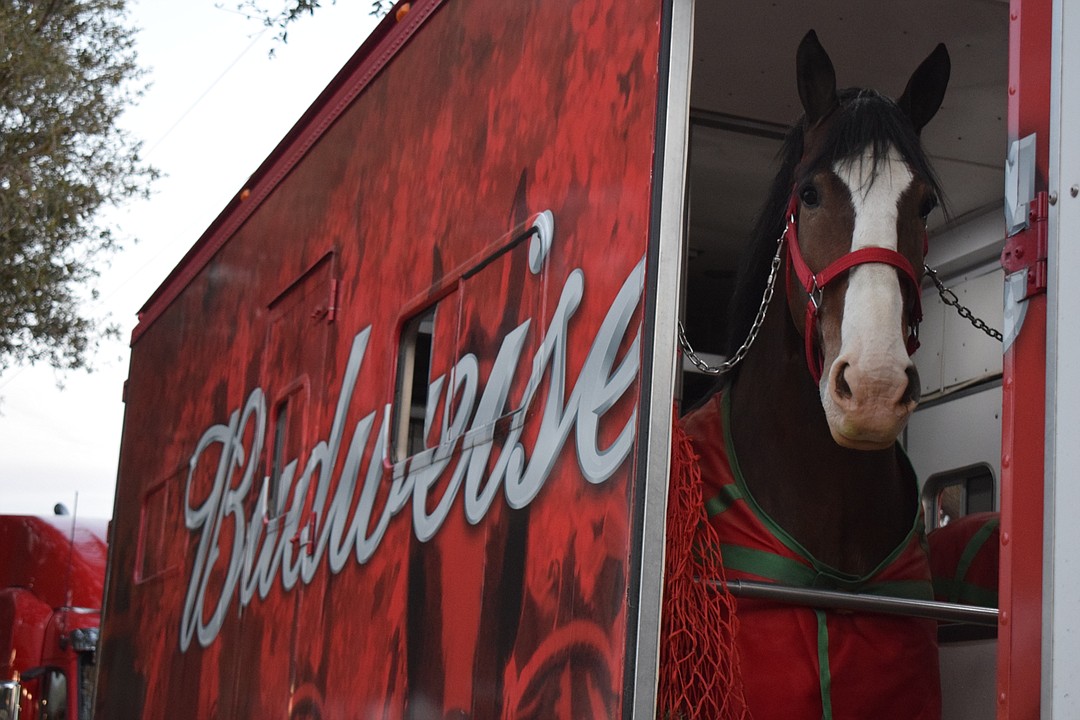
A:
(260, 552)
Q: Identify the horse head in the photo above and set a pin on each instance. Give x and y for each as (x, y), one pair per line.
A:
(860, 191)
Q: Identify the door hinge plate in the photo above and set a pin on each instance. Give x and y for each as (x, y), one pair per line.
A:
(1027, 249)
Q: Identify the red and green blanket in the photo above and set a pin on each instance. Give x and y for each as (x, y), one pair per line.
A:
(800, 663)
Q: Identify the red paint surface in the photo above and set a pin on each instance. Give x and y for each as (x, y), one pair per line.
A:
(36, 557)
(51, 580)
(490, 113)
(1019, 658)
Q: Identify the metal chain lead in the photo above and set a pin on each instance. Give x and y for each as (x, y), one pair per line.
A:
(737, 358)
(949, 298)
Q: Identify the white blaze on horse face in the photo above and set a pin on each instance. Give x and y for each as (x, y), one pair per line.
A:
(864, 391)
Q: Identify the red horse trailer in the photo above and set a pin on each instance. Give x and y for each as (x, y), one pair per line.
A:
(52, 573)
(398, 427)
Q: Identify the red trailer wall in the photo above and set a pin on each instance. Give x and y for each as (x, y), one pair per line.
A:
(491, 113)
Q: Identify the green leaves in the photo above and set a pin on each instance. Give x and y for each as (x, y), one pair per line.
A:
(293, 11)
(67, 71)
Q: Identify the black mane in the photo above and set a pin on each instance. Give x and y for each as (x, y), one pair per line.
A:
(864, 119)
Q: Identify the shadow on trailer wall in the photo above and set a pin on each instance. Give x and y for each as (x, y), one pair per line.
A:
(743, 101)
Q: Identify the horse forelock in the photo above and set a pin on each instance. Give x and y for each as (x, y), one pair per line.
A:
(866, 123)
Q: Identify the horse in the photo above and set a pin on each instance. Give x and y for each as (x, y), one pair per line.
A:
(802, 476)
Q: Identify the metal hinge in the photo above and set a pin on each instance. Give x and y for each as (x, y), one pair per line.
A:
(329, 310)
(1027, 249)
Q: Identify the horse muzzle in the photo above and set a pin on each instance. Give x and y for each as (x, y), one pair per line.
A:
(867, 404)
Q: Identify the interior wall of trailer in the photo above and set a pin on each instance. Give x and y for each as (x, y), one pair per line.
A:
(744, 99)
(957, 428)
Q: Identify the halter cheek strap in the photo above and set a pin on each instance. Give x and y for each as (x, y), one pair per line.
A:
(815, 284)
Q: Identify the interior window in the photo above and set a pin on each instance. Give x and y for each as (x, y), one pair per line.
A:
(950, 495)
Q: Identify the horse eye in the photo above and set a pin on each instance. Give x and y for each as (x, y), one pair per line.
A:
(928, 206)
(809, 196)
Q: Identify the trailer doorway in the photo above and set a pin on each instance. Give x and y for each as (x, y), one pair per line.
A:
(743, 101)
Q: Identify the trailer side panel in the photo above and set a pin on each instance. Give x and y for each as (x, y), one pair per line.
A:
(311, 523)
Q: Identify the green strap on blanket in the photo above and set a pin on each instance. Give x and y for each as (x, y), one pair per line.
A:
(789, 571)
(957, 589)
(824, 673)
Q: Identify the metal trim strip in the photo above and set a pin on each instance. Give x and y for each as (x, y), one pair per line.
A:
(660, 358)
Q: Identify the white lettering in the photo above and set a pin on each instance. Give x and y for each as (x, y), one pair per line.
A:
(317, 525)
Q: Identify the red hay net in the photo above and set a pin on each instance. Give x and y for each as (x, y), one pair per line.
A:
(699, 664)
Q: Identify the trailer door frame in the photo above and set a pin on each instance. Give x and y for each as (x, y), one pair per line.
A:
(1061, 588)
(1029, 393)
(662, 293)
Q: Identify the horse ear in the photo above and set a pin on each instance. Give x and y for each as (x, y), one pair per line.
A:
(926, 89)
(816, 78)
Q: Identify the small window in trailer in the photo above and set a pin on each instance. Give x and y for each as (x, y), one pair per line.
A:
(294, 375)
(159, 519)
(286, 423)
(949, 496)
(486, 325)
(411, 394)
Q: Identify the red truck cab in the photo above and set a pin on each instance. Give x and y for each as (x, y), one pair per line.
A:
(52, 571)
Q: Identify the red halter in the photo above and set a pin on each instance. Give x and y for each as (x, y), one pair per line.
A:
(815, 283)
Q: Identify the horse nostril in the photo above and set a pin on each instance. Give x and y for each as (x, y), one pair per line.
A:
(843, 390)
(913, 391)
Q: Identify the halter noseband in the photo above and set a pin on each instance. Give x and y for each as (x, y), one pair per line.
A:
(815, 284)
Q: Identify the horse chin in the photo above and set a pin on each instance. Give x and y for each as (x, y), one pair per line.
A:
(866, 430)
(864, 443)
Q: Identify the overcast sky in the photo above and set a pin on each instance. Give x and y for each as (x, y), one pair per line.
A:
(216, 108)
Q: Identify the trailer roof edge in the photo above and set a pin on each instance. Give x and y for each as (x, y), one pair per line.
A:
(384, 42)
